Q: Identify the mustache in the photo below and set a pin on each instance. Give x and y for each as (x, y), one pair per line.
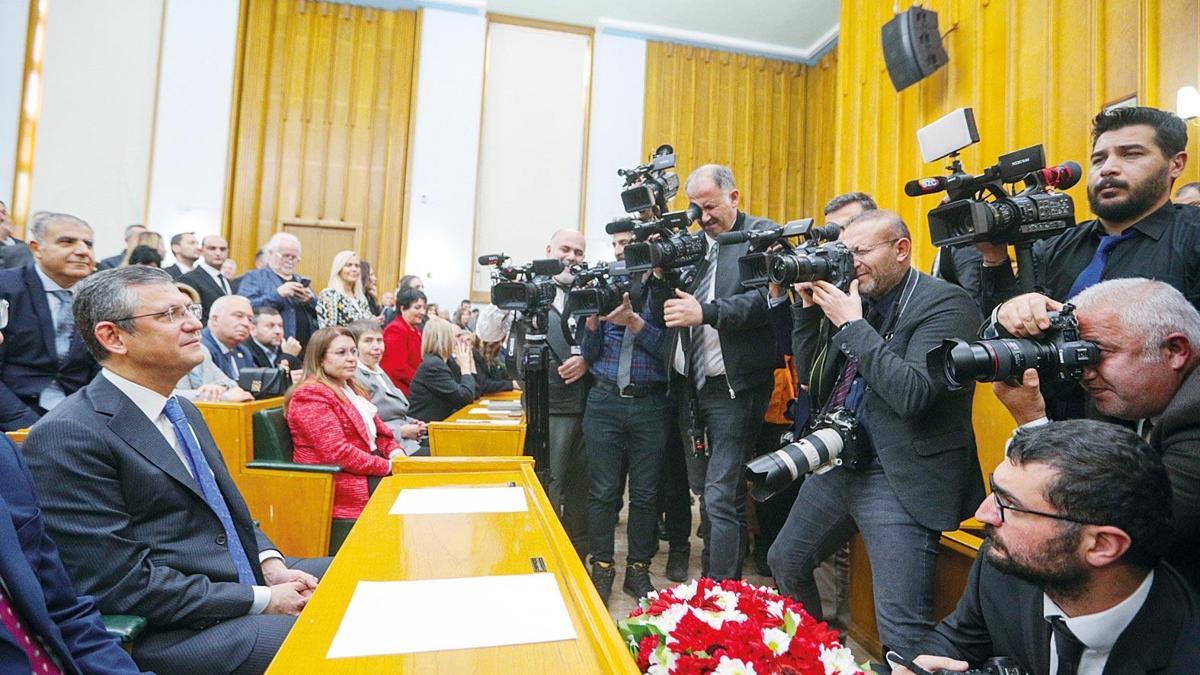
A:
(1111, 182)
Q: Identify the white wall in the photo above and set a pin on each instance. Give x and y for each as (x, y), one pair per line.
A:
(191, 131)
(92, 154)
(444, 149)
(14, 23)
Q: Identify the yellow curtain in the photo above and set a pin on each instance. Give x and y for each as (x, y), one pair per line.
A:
(770, 121)
(323, 103)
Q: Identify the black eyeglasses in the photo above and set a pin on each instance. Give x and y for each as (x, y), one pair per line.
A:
(173, 314)
(1002, 507)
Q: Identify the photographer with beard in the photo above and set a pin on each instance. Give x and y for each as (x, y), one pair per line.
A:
(1070, 578)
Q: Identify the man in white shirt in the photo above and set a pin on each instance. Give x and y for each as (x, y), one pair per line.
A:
(207, 277)
(138, 498)
(1070, 580)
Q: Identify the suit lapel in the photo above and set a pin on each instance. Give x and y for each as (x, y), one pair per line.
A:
(356, 419)
(41, 307)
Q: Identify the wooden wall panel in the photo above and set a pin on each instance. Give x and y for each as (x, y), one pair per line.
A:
(322, 116)
(770, 121)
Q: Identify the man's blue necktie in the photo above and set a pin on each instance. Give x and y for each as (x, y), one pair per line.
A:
(1090, 276)
(208, 487)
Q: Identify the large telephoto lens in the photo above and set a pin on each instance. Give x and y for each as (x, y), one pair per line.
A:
(789, 267)
(774, 471)
(957, 362)
(512, 295)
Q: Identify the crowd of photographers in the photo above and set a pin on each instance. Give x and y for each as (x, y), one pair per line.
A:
(1092, 527)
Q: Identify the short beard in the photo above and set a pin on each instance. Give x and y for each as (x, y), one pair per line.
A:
(1053, 568)
(1141, 197)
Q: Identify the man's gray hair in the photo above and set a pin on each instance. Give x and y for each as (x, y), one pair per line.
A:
(220, 304)
(720, 175)
(40, 222)
(1144, 308)
(109, 296)
(892, 219)
(278, 238)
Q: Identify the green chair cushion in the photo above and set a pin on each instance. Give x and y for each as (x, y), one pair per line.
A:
(272, 439)
(293, 466)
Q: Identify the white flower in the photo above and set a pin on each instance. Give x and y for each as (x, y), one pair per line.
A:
(729, 666)
(777, 640)
(686, 591)
(668, 619)
(775, 608)
(662, 661)
(838, 661)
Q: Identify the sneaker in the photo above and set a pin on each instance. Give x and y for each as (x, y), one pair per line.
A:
(603, 575)
(677, 562)
(637, 580)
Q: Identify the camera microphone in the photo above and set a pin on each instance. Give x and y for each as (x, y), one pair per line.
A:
(926, 186)
(737, 237)
(622, 225)
(1063, 176)
(493, 259)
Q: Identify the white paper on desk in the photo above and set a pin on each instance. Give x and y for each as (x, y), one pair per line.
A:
(504, 405)
(416, 501)
(491, 411)
(406, 617)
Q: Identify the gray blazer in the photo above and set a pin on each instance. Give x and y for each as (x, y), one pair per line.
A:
(130, 522)
(392, 407)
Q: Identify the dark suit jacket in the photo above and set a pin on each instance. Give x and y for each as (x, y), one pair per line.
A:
(437, 392)
(259, 356)
(174, 271)
(207, 288)
(110, 262)
(16, 254)
(1177, 437)
(39, 588)
(28, 359)
(240, 354)
(490, 378)
(1001, 615)
(130, 521)
(920, 429)
(739, 315)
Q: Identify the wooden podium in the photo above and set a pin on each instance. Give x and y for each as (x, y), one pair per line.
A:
(470, 434)
(385, 547)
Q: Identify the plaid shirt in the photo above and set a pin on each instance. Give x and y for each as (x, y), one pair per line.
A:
(602, 349)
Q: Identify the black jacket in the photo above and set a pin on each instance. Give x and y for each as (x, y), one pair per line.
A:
(259, 356)
(436, 392)
(207, 288)
(1177, 436)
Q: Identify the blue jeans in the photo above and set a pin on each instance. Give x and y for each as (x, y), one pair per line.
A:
(619, 431)
(902, 552)
(732, 425)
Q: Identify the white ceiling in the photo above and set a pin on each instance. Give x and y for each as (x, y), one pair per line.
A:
(796, 30)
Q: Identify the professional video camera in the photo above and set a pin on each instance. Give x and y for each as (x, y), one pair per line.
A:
(997, 665)
(674, 247)
(1059, 355)
(527, 289)
(979, 209)
(598, 290)
(650, 186)
(836, 440)
(755, 268)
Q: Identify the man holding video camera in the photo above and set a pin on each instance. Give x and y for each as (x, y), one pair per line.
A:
(724, 376)
(918, 473)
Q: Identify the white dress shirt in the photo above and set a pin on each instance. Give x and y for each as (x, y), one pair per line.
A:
(152, 403)
(1098, 632)
(218, 278)
(53, 394)
(714, 361)
(366, 410)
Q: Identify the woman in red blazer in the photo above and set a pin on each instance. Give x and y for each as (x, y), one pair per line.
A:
(402, 339)
(333, 421)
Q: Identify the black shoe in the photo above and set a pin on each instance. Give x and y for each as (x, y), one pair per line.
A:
(637, 580)
(677, 562)
(760, 560)
(603, 575)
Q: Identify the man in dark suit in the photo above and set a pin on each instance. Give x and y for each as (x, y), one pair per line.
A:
(1071, 577)
(206, 277)
(136, 495)
(229, 325)
(726, 371)
(132, 232)
(266, 344)
(186, 250)
(1148, 376)
(43, 359)
(920, 473)
(13, 251)
(36, 588)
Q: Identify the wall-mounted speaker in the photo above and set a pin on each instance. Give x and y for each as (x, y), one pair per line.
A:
(912, 46)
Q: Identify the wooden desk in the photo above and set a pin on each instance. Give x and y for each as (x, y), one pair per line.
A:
(465, 434)
(231, 425)
(383, 547)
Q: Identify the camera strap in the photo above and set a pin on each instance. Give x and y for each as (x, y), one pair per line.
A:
(910, 285)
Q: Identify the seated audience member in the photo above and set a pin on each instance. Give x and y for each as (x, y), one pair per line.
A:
(1149, 338)
(343, 299)
(445, 381)
(147, 256)
(207, 382)
(207, 277)
(406, 282)
(132, 232)
(402, 339)
(13, 251)
(333, 421)
(52, 630)
(186, 249)
(266, 345)
(490, 372)
(136, 495)
(391, 403)
(277, 285)
(229, 325)
(370, 287)
(145, 238)
(44, 360)
(1071, 578)
(1188, 194)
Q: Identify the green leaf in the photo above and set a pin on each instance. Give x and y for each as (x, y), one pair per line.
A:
(789, 624)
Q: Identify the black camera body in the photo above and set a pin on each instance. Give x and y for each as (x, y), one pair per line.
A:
(673, 248)
(650, 186)
(754, 268)
(528, 289)
(1059, 355)
(598, 290)
(831, 262)
(836, 439)
(999, 665)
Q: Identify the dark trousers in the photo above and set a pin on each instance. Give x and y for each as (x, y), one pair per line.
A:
(732, 424)
(674, 501)
(620, 432)
(568, 485)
